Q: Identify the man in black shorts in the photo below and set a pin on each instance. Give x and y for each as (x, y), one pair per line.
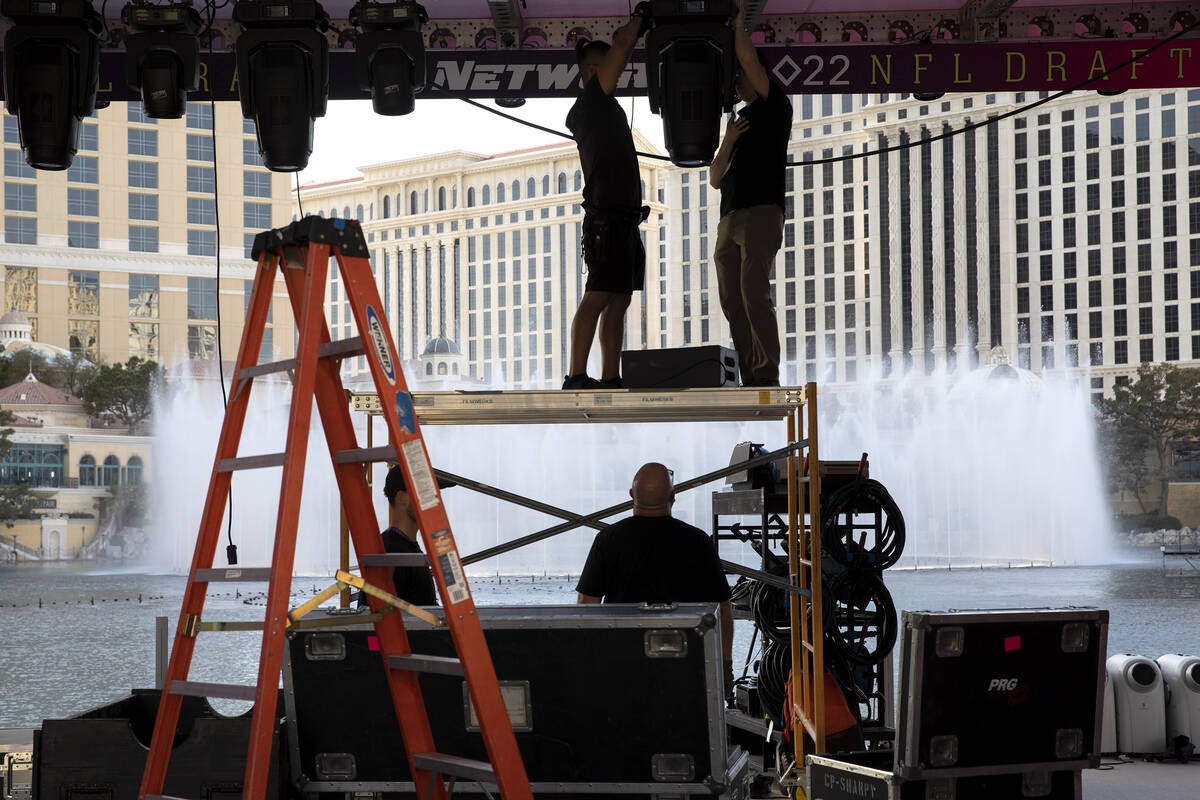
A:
(612, 204)
(414, 584)
(652, 557)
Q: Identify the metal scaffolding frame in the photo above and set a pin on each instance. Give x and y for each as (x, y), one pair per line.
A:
(796, 406)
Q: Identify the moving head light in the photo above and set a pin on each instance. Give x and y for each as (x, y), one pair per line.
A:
(391, 53)
(51, 71)
(690, 69)
(162, 58)
(283, 76)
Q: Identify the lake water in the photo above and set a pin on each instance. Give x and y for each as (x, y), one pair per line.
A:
(70, 654)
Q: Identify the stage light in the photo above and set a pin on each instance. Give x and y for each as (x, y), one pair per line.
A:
(690, 70)
(51, 71)
(391, 53)
(283, 76)
(162, 57)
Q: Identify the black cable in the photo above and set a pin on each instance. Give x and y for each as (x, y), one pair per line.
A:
(299, 201)
(211, 8)
(862, 496)
(917, 142)
(850, 625)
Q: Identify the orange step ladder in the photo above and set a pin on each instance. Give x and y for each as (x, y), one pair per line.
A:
(302, 251)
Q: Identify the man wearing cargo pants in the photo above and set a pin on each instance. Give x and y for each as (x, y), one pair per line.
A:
(749, 170)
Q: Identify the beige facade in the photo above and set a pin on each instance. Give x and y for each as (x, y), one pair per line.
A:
(483, 251)
(117, 256)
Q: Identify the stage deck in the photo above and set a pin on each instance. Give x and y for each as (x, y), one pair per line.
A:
(543, 407)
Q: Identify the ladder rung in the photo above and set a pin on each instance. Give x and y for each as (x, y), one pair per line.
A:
(441, 665)
(343, 348)
(252, 462)
(457, 766)
(394, 560)
(227, 690)
(162, 797)
(808, 646)
(366, 455)
(233, 574)
(804, 561)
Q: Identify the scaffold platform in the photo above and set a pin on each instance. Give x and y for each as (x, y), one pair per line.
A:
(548, 406)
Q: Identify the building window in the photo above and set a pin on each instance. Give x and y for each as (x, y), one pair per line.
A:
(83, 234)
(84, 337)
(256, 184)
(137, 114)
(110, 471)
(250, 155)
(144, 175)
(15, 165)
(143, 296)
(143, 340)
(202, 342)
(84, 169)
(202, 298)
(83, 202)
(133, 471)
(87, 471)
(20, 289)
(199, 147)
(143, 142)
(201, 211)
(256, 215)
(143, 206)
(199, 179)
(143, 239)
(201, 243)
(199, 115)
(83, 293)
(20, 230)
(21, 196)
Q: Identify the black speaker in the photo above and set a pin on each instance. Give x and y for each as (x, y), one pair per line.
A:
(706, 367)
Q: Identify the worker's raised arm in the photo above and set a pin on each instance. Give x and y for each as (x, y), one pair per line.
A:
(747, 56)
(624, 40)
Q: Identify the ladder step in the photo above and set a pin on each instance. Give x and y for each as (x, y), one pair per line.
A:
(226, 690)
(252, 462)
(366, 455)
(441, 665)
(343, 348)
(233, 574)
(459, 767)
(394, 560)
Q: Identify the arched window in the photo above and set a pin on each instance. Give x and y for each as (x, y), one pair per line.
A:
(441, 198)
(429, 368)
(358, 212)
(333, 213)
(321, 213)
(499, 192)
(531, 188)
(425, 200)
(562, 182)
(412, 202)
(454, 196)
(110, 473)
(578, 180)
(387, 206)
(545, 185)
(133, 471)
(487, 195)
(516, 190)
(470, 197)
(87, 471)
(442, 368)
(346, 212)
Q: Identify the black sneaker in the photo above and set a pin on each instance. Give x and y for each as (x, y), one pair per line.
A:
(580, 381)
(610, 383)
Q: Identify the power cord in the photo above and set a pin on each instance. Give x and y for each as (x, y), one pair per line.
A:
(211, 8)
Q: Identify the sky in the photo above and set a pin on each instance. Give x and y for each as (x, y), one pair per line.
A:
(351, 135)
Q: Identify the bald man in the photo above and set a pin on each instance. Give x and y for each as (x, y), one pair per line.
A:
(652, 557)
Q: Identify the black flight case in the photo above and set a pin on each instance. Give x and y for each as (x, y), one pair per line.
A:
(993, 705)
(607, 701)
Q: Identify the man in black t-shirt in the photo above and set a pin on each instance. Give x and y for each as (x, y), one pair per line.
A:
(750, 169)
(654, 558)
(612, 205)
(414, 584)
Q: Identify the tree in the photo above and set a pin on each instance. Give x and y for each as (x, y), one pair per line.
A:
(1151, 415)
(71, 373)
(16, 502)
(124, 390)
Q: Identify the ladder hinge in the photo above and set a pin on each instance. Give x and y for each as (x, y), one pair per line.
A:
(191, 625)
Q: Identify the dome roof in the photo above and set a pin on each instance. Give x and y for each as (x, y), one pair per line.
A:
(441, 346)
(14, 318)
